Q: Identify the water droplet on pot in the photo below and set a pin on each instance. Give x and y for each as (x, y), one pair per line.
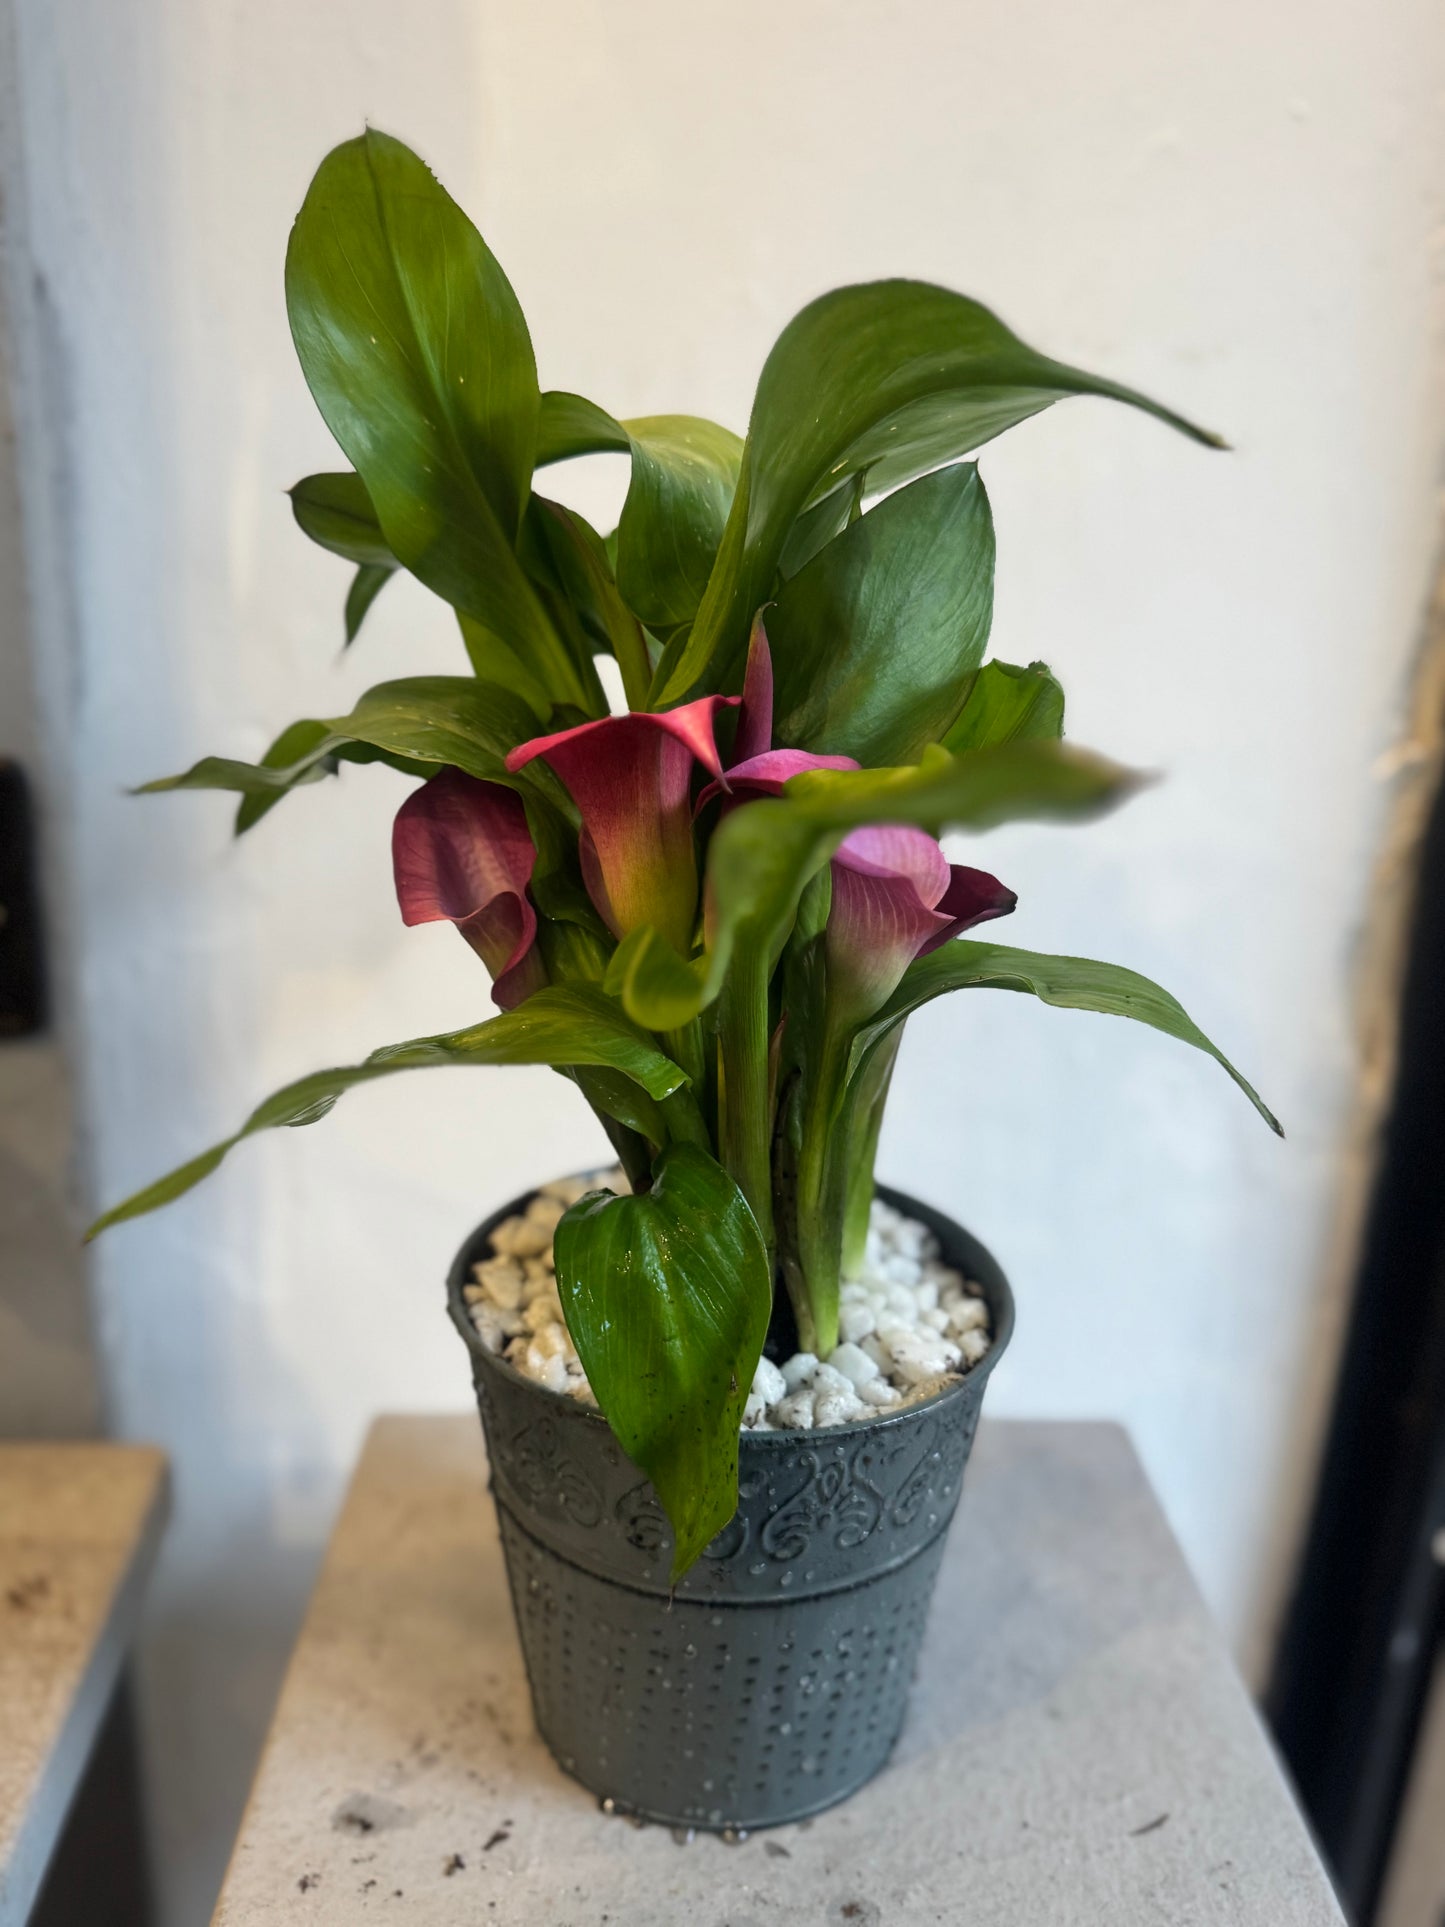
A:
(734, 1836)
(717, 1619)
(684, 1836)
(760, 1567)
(809, 1764)
(786, 1580)
(608, 1804)
(689, 1651)
(785, 1727)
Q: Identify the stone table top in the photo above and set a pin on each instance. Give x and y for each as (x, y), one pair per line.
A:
(79, 1528)
(1079, 1750)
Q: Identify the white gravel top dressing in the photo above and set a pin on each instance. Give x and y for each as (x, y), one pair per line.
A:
(908, 1324)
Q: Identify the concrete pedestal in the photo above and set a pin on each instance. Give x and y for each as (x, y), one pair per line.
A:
(1079, 1750)
(79, 1527)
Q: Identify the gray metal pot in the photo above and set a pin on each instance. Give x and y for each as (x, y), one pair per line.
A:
(775, 1680)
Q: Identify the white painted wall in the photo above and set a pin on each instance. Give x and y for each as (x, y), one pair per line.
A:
(1231, 205)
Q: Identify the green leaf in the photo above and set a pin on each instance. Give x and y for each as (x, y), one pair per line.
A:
(335, 510)
(762, 855)
(570, 550)
(890, 377)
(667, 1298)
(418, 357)
(1007, 704)
(1071, 983)
(570, 425)
(417, 722)
(684, 472)
(874, 640)
(366, 585)
(565, 1027)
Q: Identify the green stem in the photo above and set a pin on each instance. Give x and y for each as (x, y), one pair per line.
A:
(630, 650)
(744, 1123)
(821, 1183)
(864, 1121)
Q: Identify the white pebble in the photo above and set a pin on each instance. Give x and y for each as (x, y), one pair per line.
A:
(855, 1365)
(769, 1384)
(827, 1378)
(552, 1341)
(546, 1212)
(837, 1408)
(879, 1392)
(974, 1345)
(906, 1321)
(795, 1412)
(487, 1323)
(567, 1190)
(502, 1280)
(516, 1238)
(855, 1321)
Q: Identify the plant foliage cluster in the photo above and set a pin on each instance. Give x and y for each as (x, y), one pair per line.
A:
(715, 912)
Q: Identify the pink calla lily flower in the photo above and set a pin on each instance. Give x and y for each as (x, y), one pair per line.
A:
(757, 769)
(461, 852)
(896, 896)
(631, 777)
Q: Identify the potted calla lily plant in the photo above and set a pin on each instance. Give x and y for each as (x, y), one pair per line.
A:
(729, 1390)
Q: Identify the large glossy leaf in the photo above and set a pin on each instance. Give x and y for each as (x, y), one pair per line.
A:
(418, 721)
(417, 354)
(1006, 703)
(684, 472)
(874, 640)
(667, 1298)
(1071, 983)
(890, 378)
(565, 1027)
(763, 854)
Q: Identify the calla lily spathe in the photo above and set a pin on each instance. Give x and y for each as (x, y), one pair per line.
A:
(461, 852)
(896, 896)
(631, 779)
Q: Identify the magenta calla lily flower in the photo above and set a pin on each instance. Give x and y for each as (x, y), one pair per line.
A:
(461, 853)
(631, 778)
(896, 896)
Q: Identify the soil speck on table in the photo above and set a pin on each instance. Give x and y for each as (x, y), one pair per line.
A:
(1149, 1826)
(774, 1851)
(28, 1592)
(362, 1813)
(453, 1863)
(863, 1911)
(499, 1838)
(308, 1881)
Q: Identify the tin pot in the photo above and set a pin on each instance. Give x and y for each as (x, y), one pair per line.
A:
(774, 1680)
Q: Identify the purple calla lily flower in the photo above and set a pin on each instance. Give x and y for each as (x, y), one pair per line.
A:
(461, 852)
(631, 777)
(896, 897)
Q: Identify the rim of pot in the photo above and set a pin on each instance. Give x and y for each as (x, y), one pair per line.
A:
(996, 1291)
